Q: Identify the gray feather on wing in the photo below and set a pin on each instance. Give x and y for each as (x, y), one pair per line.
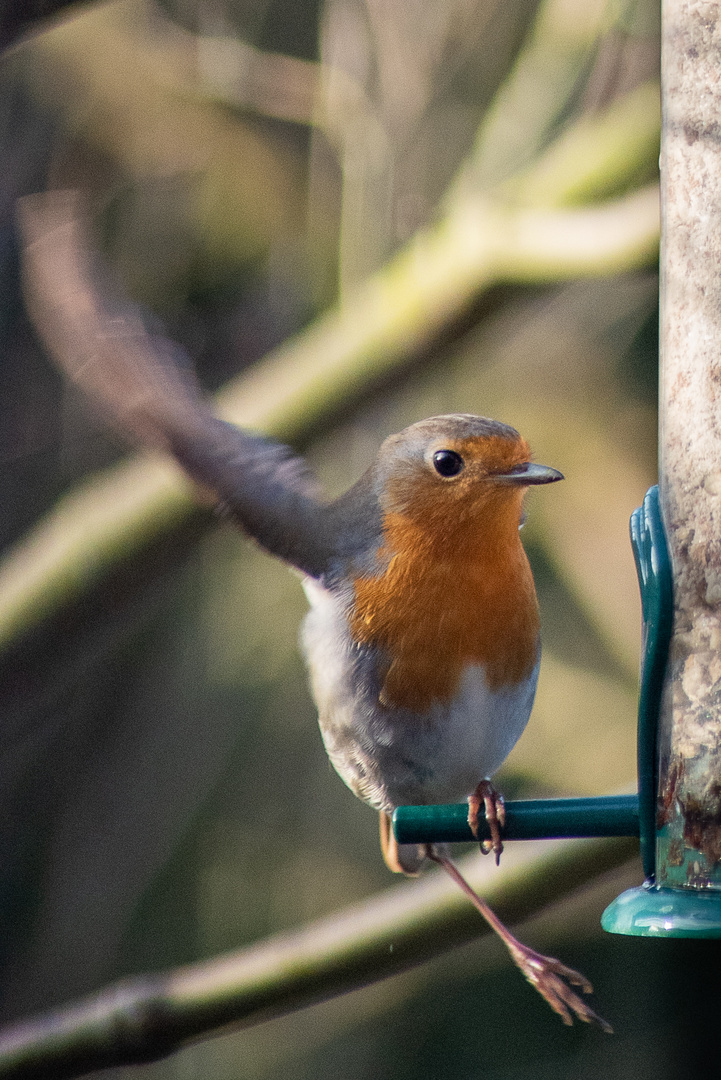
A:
(144, 384)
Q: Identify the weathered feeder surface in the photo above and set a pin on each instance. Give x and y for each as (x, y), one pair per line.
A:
(689, 822)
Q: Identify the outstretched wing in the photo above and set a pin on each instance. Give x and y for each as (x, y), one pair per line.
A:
(145, 385)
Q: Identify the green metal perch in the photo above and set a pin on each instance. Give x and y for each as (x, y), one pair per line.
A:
(531, 819)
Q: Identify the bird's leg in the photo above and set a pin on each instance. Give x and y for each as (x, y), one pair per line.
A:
(495, 813)
(543, 972)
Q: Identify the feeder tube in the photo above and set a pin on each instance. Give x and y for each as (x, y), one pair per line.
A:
(688, 851)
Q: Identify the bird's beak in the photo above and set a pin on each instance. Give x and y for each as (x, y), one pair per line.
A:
(528, 473)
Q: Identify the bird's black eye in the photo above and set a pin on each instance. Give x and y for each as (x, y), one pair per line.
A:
(447, 462)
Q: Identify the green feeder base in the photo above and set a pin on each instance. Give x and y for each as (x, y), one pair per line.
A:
(648, 911)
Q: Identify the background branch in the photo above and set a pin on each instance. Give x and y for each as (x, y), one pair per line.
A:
(149, 1016)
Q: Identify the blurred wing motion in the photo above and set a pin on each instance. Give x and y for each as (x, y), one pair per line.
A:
(145, 385)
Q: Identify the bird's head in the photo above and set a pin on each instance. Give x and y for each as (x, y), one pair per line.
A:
(457, 470)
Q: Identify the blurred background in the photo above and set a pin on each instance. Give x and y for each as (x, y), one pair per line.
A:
(164, 794)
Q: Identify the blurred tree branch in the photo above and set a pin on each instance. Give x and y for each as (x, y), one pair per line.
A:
(482, 240)
(147, 1017)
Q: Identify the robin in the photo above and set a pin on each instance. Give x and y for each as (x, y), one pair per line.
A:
(422, 639)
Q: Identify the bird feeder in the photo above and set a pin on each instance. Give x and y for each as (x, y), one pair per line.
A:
(676, 537)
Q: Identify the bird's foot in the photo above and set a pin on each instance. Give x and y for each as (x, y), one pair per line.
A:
(543, 972)
(495, 813)
(547, 975)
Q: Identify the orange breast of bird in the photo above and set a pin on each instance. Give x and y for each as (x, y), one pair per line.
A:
(457, 591)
